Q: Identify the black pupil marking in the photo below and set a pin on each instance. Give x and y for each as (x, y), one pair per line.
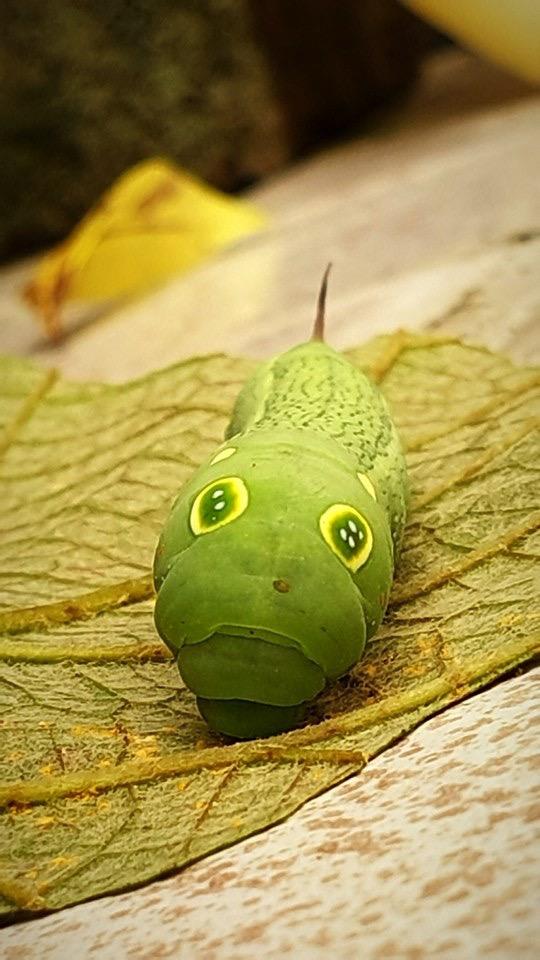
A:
(348, 534)
(216, 504)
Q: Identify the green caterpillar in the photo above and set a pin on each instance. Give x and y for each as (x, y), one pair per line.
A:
(276, 562)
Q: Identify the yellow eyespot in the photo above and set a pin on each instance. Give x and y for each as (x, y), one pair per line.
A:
(348, 534)
(220, 502)
(223, 455)
(366, 482)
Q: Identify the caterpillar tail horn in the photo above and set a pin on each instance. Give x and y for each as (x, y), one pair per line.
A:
(318, 326)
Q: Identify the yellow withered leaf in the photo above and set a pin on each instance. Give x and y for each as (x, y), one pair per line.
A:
(155, 221)
(507, 32)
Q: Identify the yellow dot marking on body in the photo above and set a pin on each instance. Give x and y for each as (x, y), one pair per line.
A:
(223, 455)
(367, 484)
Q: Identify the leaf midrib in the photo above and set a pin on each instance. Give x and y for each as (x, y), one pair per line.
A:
(288, 748)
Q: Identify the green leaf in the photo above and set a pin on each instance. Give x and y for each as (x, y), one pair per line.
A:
(109, 776)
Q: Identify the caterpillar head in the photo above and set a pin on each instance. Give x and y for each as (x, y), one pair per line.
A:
(271, 572)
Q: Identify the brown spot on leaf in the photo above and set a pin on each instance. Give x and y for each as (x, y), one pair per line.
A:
(164, 191)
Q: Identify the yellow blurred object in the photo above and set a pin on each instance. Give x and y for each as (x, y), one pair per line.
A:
(155, 221)
(506, 31)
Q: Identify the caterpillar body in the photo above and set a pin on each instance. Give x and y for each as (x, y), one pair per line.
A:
(275, 565)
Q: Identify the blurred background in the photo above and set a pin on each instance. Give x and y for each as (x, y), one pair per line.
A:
(242, 93)
(234, 90)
